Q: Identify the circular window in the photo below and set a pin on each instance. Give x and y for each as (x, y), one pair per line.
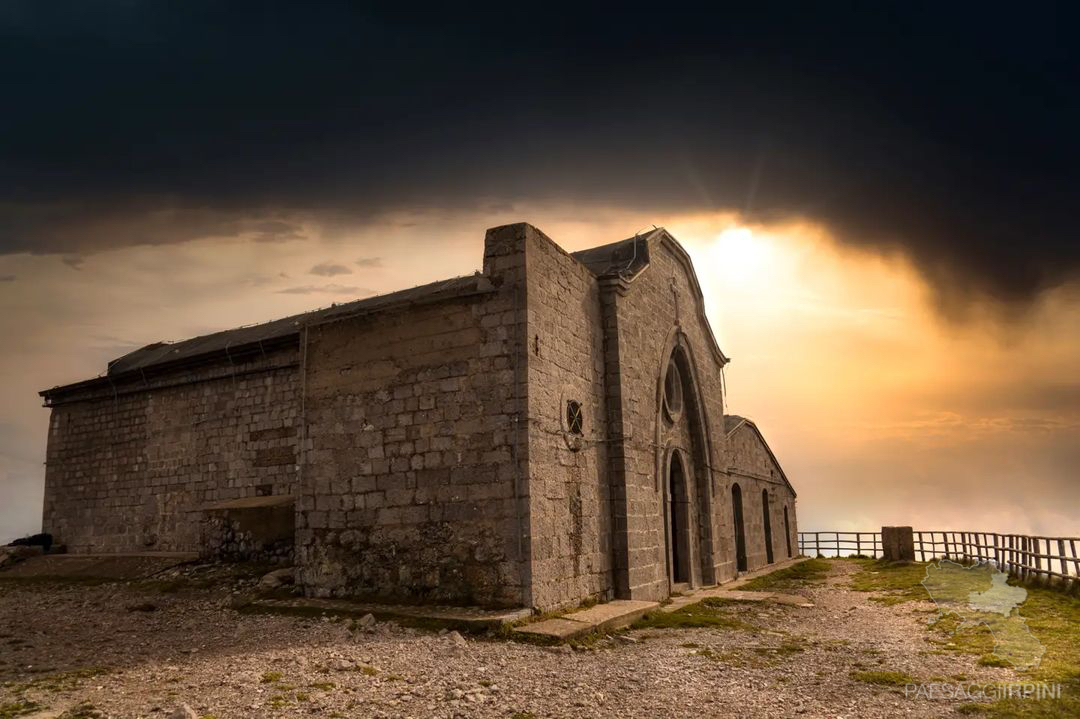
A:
(673, 392)
(574, 418)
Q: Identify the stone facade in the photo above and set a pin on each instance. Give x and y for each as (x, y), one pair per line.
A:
(547, 431)
(131, 461)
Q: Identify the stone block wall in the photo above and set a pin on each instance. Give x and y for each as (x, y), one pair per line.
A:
(640, 321)
(254, 534)
(569, 491)
(128, 466)
(754, 469)
(413, 463)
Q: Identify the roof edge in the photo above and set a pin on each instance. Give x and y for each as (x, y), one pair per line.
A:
(750, 423)
(482, 285)
(669, 241)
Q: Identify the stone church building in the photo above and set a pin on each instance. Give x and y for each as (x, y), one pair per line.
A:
(547, 431)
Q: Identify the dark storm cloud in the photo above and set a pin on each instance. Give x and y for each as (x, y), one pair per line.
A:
(369, 262)
(949, 132)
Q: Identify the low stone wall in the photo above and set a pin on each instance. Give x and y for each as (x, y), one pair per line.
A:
(249, 534)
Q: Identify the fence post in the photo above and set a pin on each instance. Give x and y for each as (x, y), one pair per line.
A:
(1061, 558)
(997, 557)
(1036, 543)
(945, 539)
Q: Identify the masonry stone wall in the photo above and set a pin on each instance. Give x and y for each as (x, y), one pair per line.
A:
(569, 492)
(753, 468)
(643, 323)
(411, 465)
(129, 465)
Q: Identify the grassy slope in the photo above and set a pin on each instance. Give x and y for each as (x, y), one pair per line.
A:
(1052, 616)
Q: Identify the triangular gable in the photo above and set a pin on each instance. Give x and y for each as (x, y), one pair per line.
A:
(733, 422)
(628, 258)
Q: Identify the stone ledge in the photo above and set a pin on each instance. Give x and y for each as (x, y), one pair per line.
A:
(473, 619)
(608, 616)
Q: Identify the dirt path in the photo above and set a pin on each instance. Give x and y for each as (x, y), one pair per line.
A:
(61, 645)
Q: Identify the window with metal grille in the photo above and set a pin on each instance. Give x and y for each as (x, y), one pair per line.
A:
(574, 418)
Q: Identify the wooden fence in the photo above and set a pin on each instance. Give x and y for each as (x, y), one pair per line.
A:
(1022, 555)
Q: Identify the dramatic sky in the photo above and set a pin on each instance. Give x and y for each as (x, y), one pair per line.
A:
(879, 199)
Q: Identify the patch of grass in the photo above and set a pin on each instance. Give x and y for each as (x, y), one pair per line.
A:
(884, 679)
(902, 580)
(270, 677)
(324, 686)
(427, 624)
(522, 715)
(787, 648)
(166, 586)
(53, 580)
(705, 613)
(811, 571)
(369, 671)
(19, 708)
(83, 710)
(992, 660)
(1054, 619)
(890, 600)
(278, 701)
(62, 681)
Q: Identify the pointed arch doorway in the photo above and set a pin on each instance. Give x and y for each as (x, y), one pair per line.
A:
(678, 521)
(740, 531)
(768, 526)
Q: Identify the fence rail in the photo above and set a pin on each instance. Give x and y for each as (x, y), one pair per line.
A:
(1022, 555)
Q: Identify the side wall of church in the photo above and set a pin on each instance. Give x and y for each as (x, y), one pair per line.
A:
(753, 468)
(411, 475)
(569, 487)
(129, 466)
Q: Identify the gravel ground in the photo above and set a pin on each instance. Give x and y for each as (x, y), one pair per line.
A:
(136, 651)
